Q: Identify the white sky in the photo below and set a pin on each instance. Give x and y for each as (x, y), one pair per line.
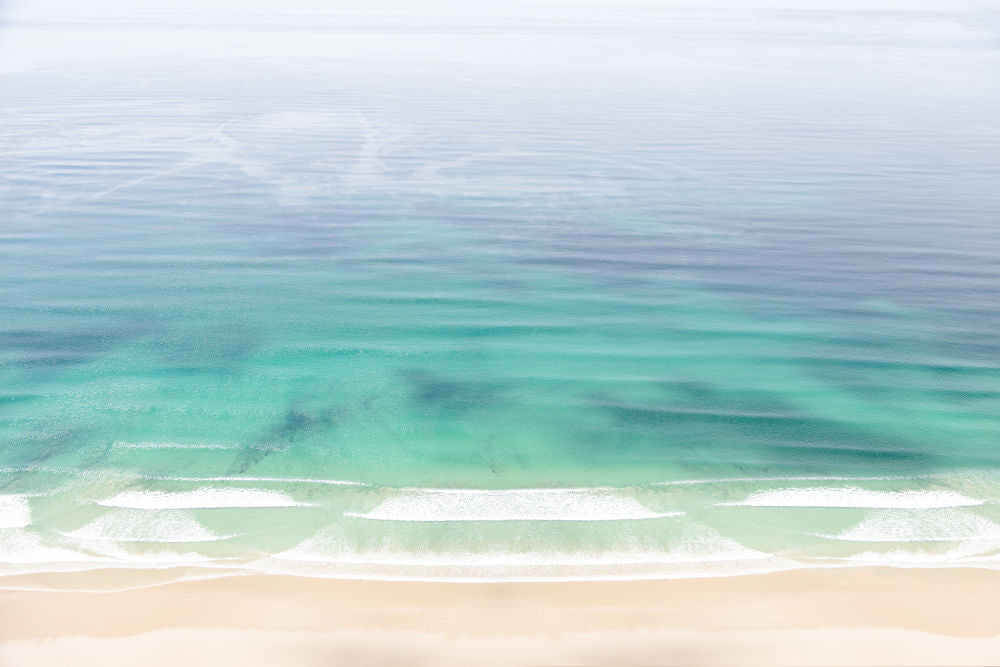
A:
(34, 32)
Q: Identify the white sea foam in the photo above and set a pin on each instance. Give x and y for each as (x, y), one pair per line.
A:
(923, 525)
(287, 480)
(171, 445)
(704, 545)
(25, 547)
(523, 559)
(14, 511)
(702, 552)
(205, 498)
(856, 497)
(968, 552)
(509, 505)
(135, 525)
(701, 546)
(153, 559)
(222, 572)
(815, 478)
(529, 573)
(76, 472)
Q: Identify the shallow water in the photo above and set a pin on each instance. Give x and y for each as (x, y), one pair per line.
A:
(657, 292)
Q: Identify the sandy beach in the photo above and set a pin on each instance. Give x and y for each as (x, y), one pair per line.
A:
(816, 617)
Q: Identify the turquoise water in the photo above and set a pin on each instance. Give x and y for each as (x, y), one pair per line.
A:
(680, 293)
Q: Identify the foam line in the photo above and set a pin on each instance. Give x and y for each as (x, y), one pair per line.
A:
(509, 505)
(853, 496)
(287, 480)
(122, 589)
(14, 511)
(73, 472)
(133, 525)
(26, 548)
(524, 560)
(170, 445)
(962, 553)
(155, 559)
(701, 545)
(934, 525)
(730, 480)
(205, 498)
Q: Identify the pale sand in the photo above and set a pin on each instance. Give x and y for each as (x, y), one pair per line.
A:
(820, 617)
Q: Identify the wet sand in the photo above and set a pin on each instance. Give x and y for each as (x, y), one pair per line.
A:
(820, 617)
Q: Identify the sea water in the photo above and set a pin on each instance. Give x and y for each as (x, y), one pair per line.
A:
(504, 291)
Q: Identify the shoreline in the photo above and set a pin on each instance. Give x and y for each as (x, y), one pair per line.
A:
(865, 615)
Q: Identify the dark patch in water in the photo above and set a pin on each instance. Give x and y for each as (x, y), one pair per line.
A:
(295, 424)
(748, 429)
(42, 350)
(219, 348)
(251, 456)
(12, 400)
(702, 395)
(492, 458)
(432, 391)
(40, 448)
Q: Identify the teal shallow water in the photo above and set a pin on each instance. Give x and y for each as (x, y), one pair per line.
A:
(682, 309)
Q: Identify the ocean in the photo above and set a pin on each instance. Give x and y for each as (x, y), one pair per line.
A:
(490, 292)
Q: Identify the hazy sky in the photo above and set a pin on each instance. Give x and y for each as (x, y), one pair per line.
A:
(50, 31)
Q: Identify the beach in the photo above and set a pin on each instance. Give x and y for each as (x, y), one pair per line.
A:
(870, 616)
(524, 332)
